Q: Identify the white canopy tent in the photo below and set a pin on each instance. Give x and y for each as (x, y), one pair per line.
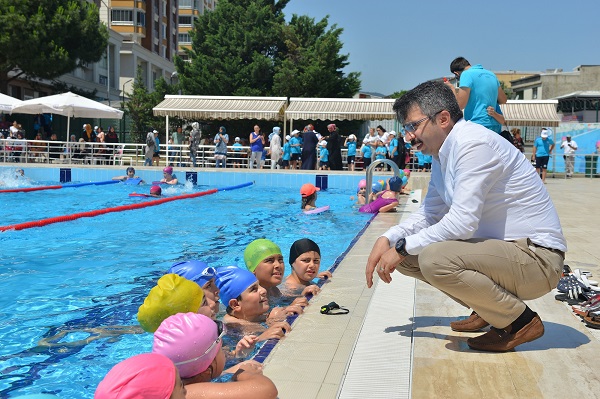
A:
(7, 103)
(67, 104)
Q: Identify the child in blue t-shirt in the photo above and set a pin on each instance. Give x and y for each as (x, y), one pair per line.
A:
(380, 152)
(350, 143)
(323, 156)
(237, 148)
(287, 152)
(366, 154)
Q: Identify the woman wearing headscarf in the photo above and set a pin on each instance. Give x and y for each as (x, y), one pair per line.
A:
(150, 145)
(309, 148)
(334, 146)
(275, 147)
(194, 141)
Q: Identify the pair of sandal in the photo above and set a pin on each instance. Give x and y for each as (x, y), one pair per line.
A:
(577, 284)
(589, 311)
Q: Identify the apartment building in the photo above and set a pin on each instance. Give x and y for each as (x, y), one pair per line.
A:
(189, 11)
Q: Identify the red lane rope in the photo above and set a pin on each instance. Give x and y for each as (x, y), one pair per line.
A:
(121, 208)
(25, 189)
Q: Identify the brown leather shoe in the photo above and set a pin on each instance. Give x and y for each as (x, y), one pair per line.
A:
(473, 323)
(498, 340)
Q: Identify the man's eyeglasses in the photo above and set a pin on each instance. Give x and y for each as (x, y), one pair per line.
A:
(412, 126)
(221, 330)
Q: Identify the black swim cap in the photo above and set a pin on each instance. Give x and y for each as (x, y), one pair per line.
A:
(302, 246)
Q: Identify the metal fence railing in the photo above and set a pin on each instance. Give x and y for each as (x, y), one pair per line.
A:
(60, 152)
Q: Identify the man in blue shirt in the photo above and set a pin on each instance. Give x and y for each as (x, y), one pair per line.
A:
(542, 148)
(478, 89)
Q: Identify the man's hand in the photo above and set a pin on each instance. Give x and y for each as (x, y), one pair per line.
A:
(381, 246)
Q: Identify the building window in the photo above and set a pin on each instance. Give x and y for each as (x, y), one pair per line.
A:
(184, 38)
(122, 17)
(185, 20)
(185, 3)
(103, 80)
(534, 93)
(141, 19)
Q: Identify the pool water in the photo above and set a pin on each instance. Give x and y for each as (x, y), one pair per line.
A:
(70, 291)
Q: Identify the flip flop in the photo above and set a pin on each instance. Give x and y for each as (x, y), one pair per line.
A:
(592, 321)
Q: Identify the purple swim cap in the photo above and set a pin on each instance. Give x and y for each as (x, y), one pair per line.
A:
(168, 170)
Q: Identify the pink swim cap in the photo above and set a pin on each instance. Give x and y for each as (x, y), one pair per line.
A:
(362, 184)
(156, 190)
(188, 339)
(145, 376)
(168, 170)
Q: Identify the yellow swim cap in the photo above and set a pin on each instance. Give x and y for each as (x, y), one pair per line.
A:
(172, 294)
(257, 251)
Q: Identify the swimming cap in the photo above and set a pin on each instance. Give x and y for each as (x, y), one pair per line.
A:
(308, 189)
(395, 183)
(232, 281)
(378, 186)
(184, 337)
(168, 170)
(130, 168)
(259, 250)
(301, 246)
(362, 184)
(156, 190)
(172, 294)
(147, 376)
(194, 270)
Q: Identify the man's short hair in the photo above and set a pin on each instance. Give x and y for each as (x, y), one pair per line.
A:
(431, 97)
(459, 64)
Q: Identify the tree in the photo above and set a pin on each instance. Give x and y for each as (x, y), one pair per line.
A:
(398, 94)
(140, 104)
(311, 65)
(246, 48)
(48, 38)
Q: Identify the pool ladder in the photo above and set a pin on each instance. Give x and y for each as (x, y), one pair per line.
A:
(372, 167)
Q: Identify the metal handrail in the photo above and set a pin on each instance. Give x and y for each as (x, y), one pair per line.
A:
(371, 168)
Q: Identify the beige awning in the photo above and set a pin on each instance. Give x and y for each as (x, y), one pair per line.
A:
(340, 109)
(540, 113)
(222, 107)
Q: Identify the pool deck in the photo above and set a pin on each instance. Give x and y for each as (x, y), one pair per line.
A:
(396, 341)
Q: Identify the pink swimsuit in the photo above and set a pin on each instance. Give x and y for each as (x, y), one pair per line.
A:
(376, 205)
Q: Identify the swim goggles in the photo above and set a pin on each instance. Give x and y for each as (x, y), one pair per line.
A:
(333, 308)
(221, 330)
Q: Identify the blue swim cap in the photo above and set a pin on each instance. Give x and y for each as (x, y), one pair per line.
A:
(194, 270)
(232, 281)
(395, 183)
(378, 186)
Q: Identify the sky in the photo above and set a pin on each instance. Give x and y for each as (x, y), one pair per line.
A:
(397, 44)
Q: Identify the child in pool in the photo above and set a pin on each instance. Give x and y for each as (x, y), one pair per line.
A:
(361, 193)
(129, 174)
(264, 258)
(387, 200)
(172, 294)
(148, 376)
(168, 176)
(305, 258)
(309, 196)
(203, 275)
(248, 306)
(193, 342)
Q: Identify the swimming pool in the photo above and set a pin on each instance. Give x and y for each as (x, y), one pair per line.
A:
(70, 291)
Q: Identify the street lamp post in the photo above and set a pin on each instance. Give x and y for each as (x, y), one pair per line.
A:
(123, 106)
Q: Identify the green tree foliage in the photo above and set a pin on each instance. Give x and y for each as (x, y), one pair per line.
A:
(48, 38)
(246, 48)
(312, 65)
(140, 104)
(398, 94)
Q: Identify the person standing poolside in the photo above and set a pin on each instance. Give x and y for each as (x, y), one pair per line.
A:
(542, 149)
(156, 155)
(149, 149)
(195, 136)
(257, 144)
(367, 153)
(296, 149)
(350, 144)
(518, 140)
(334, 148)
(287, 152)
(478, 89)
(487, 233)
(237, 149)
(221, 140)
(275, 147)
(569, 147)
(310, 141)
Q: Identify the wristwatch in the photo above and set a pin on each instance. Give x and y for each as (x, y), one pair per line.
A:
(400, 247)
